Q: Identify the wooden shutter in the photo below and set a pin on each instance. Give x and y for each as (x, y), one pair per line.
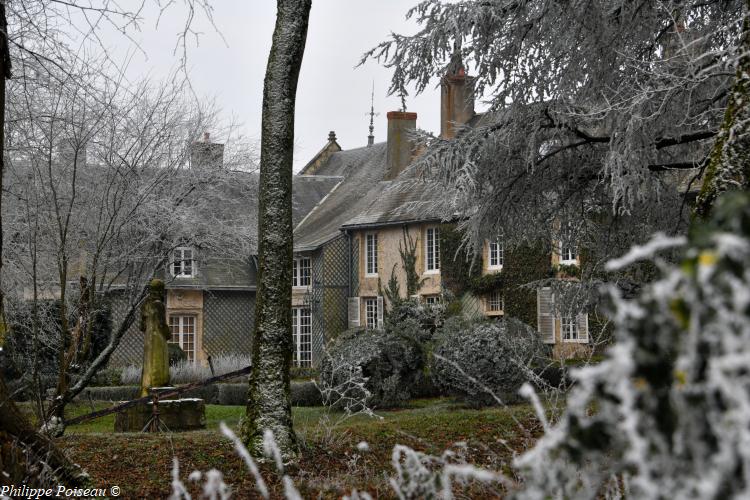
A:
(380, 313)
(583, 328)
(353, 311)
(545, 319)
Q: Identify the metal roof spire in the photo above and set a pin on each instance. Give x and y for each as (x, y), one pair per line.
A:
(373, 114)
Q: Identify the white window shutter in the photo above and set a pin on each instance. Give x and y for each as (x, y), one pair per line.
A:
(545, 318)
(583, 328)
(380, 312)
(353, 311)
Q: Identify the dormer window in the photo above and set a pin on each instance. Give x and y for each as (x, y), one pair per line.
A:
(301, 272)
(183, 263)
(496, 254)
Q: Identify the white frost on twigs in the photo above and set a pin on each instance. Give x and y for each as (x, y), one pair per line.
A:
(260, 484)
(658, 243)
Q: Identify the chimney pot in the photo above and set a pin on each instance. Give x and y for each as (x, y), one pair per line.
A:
(206, 137)
(332, 136)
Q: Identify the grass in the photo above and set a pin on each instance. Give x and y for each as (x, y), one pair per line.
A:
(329, 465)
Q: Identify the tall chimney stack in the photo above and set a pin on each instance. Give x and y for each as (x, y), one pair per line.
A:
(456, 102)
(401, 126)
(206, 154)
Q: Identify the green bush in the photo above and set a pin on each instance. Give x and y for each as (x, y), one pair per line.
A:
(482, 361)
(387, 365)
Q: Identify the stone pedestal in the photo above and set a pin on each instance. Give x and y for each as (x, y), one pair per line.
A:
(175, 415)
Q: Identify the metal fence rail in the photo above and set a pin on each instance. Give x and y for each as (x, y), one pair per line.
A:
(158, 395)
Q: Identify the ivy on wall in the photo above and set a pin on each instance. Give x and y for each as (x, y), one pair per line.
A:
(456, 270)
(523, 264)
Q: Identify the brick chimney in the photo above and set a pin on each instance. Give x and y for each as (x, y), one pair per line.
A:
(400, 143)
(456, 102)
(206, 154)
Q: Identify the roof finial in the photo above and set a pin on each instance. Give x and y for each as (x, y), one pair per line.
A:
(373, 114)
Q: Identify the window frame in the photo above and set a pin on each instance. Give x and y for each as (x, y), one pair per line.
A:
(568, 251)
(564, 324)
(181, 334)
(432, 300)
(297, 272)
(183, 263)
(500, 254)
(492, 298)
(371, 309)
(371, 237)
(434, 252)
(301, 340)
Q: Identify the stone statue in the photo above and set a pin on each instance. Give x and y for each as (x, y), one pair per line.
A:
(156, 333)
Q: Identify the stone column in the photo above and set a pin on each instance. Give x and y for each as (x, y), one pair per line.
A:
(156, 333)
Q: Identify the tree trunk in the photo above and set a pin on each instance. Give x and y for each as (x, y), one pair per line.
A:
(729, 162)
(26, 456)
(269, 404)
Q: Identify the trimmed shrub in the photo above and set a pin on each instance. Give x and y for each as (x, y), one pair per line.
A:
(390, 364)
(427, 317)
(475, 361)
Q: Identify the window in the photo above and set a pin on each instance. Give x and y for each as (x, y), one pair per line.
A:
(432, 250)
(371, 313)
(301, 275)
(497, 254)
(569, 327)
(183, 334)
(302, 336)
(432, 300)
(371, 254)
(183, 263)
(568, 250)
(495, 302)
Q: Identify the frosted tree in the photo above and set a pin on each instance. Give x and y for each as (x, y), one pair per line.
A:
(596, 108)
(35, 36)
(269, 399)
(671, 398)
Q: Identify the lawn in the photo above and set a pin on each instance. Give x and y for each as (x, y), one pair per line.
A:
(330, 464)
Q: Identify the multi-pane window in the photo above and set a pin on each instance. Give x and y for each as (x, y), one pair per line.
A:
(183, 263)
(302, 336)
(495, 302)
(183, 334)
(371, 254)
(432, 249)
(569, 327)
(497, 254)
(432, 300)
(568, 249)
(301, 272)
(371, 313)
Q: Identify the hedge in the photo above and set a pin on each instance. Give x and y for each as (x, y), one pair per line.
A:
(304, 393)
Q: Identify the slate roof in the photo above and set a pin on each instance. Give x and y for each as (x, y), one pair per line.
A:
(307, 191)
(399, 201)
(240, 202)
(361, 169)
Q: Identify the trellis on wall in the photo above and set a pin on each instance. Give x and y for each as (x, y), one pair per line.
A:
(328, 293)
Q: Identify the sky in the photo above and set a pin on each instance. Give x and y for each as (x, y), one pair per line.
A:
(332, 94)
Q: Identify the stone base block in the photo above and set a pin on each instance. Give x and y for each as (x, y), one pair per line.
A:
(175, 415)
